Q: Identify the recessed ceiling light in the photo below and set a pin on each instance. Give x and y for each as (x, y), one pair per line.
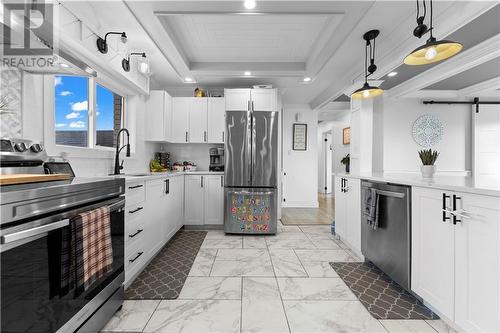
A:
(307, 79)
(247, 73)
(391, 74)
(188, 79)
(62, 64)
(250, 4)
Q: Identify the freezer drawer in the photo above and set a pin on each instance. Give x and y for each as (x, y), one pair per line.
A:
(250, 210)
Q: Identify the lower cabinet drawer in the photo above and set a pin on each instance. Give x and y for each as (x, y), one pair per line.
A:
(134, 260)
(134, 193)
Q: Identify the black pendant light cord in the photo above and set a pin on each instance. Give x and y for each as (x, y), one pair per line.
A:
(366, 62)
(430, 21)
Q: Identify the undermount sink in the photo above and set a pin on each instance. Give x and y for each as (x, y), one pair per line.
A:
(137, 174)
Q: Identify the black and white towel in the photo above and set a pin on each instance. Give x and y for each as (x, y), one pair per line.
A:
(370, 207)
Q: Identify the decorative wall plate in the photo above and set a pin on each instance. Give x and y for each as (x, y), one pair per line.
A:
(427, 130)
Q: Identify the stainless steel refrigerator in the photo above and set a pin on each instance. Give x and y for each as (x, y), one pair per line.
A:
(250, 193)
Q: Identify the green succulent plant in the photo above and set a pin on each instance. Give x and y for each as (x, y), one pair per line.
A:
(428, 156)
(346, 159)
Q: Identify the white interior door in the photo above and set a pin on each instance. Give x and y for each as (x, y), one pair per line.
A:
(486, 154)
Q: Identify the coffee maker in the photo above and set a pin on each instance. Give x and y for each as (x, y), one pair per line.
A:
(216, 159)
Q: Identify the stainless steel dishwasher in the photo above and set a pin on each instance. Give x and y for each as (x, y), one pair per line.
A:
(389, 245)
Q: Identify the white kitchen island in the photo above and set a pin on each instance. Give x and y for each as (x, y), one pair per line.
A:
(455, 244)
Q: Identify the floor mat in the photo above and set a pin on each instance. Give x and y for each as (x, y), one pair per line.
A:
(379, 294)
(165, 275)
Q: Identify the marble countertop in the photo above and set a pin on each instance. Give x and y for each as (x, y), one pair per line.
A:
(137, 177)
(465, 184)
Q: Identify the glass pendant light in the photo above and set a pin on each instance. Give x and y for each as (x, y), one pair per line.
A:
(433, 50)
(367, 91)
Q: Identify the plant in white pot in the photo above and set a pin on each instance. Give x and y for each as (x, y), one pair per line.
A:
(428, 158)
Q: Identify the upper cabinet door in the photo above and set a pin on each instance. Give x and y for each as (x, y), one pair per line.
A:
(167, 117)
(237, 99)
(477, 244)
(216, 119)
(264, 99)
(180, 119)
(198, 120)
(155, 116)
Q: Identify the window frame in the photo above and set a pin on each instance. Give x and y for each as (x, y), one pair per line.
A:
(92, 150)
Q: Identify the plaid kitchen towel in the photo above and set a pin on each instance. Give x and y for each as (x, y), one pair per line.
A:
(92, 246)
(370, 207)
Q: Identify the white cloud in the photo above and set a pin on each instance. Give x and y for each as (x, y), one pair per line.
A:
(77, 124)
(73, 115)
(57, 81)
(59, 125)
(66, 93)
(97, 113)
(80, 106)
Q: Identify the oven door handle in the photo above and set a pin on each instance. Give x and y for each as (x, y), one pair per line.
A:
(16, 236)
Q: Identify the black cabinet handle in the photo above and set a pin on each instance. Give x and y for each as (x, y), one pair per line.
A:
(222, 136)
(136, 257)
(201, 181)
(186, 136)
(167, 186)
(205, 136)
(445, 196)
(136, 233)
(455, 198)
(221, 181)
(135, 210)
(135, 186)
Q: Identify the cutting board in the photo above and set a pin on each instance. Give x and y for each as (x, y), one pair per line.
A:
(30, 178)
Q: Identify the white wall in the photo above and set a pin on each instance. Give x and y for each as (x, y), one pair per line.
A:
(400, 151)
(195, 152)
(301, 168)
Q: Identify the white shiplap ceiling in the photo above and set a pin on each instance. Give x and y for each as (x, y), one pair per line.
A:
(248, 38)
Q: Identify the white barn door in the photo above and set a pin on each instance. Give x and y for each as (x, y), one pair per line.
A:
(486, 153)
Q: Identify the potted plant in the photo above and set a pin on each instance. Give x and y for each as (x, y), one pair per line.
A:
(428, 158)
(346, 160)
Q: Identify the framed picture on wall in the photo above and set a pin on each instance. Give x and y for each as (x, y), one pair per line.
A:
(346, 135)
(299, 137)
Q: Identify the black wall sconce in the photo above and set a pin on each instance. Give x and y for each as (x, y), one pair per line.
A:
(102, 44)
(126, 62)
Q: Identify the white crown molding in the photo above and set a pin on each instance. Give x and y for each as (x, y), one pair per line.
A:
(481, 53)
(488, 86)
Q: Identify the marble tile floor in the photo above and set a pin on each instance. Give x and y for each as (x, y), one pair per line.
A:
(279, 283)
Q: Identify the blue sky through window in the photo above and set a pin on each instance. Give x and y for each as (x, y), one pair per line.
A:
(104, 108)
(71, 103)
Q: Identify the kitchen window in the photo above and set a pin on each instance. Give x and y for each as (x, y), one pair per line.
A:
(86, 114)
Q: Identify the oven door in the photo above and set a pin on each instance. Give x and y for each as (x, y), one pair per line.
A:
(29, 300)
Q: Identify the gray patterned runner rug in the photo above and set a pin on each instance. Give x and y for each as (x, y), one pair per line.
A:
(165, 275)
(379, 294)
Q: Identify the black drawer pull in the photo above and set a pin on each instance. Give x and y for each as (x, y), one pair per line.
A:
(444, 207)
(136, 257)
(138, 232)
(135, 186)
(455, 198)
(135, 210)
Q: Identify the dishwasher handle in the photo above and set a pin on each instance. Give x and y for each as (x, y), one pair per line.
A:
(398, 195)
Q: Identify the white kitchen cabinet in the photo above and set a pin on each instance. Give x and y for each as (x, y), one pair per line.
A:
(193, 202)
(348, 211)
(158, 116)
(456, 256)
(198, 127)
(213, 186)
(216, 119)
(261, 99)
(157, 208)
(477, 263)
(176, 205)
(432, 272)
(264, 99)
(237, 99)
(180, 119)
